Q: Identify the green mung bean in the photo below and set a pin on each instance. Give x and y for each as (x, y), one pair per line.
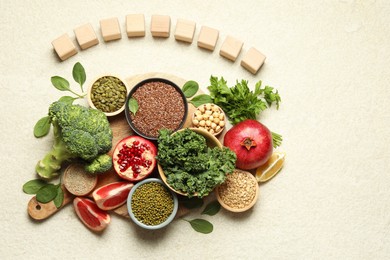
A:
(152, 203)
(107, 94)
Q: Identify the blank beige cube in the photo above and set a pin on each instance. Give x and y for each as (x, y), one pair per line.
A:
(86, 36)
(231, 48)
(64, 47)
(110, 29)
(208, 38)
(135, 25)
(185, 30)
(253, 60)
(160, 26)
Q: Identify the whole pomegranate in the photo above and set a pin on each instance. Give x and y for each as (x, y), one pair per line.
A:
(252, 143)
(134, 158)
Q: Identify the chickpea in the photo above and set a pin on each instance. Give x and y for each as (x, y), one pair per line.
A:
(195, 122)
(215, 114)
(208, 112)
(214, 108)
(211, 131)
(208, 123)
(216, 120)
(201, 109)
(208, 106)
(202, 123)
(200, 117)
(222, 123)
(205, 117)
(211, 118)
(217, 128)
(213, 125)
(221, 117)
(198, 113)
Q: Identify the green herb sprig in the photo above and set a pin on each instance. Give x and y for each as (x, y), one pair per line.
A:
(45, 192)
(42, 127)
(198, 224)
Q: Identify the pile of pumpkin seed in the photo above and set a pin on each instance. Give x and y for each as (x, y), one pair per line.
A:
(108, 94)
(152, 203)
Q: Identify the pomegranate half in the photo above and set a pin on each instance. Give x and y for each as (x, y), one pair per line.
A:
(252, 143)
(134, 158)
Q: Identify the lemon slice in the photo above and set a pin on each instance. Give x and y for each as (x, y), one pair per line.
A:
(271, 167)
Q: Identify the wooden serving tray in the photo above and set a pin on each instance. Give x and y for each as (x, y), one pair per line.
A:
(120, 129)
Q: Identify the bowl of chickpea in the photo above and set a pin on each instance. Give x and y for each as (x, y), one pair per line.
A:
(210, 118)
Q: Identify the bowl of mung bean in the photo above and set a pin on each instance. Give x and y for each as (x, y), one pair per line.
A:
(108, 93)
(151, 205)
(239, 192)
(154, 104)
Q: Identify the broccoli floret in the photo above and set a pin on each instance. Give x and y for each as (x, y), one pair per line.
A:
(79, 132)
(100, 164)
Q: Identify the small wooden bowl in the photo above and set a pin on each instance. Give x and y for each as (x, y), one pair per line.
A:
(211, 141)
(91, 104)
(194, 117)
(250, 205)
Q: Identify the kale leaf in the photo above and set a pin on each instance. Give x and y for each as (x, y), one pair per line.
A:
(191, 166)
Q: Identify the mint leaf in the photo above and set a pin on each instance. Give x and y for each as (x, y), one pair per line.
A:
(58, 200)
(60, 83)
(190, 88)
(47, 193)
(33, 186)
(42, 127)
(212, 208)
(201, 99)
(67, 99)
(79, 74)
(201, 226)
(133, 105)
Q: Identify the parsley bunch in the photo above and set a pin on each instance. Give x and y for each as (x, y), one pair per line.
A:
(239, 102)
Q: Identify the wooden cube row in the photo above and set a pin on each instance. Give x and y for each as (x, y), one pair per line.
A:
(160, 27)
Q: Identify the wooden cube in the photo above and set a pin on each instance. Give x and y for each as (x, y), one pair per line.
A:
(86, 36)
(135, 25)
(231, 48)
(185, 30)
(253, 60)
(160, 26)
(208, 38)
(110, 29)
(64, 47)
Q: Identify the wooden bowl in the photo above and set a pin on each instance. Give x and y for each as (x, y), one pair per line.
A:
(211, 142)
(221, 121)
(91, 104)
(225, 185)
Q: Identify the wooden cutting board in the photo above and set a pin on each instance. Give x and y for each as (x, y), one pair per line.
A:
(120, 129)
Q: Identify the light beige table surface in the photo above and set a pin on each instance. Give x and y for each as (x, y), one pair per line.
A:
(330, 62)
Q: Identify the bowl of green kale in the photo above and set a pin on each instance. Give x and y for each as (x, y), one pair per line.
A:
(192, 162)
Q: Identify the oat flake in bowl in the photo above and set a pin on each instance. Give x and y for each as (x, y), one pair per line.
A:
(161, 104)
(239, 192)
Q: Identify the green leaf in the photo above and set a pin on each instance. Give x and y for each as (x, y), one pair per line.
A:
(59, 198)
(201, 99)
(47, 193)
(190, 88)
(60, 83)
(79, 74)
(33, 186)
(212, 208)
(192, 203)
(201, 226)
(67, 99)
(133, 105)
(42, 127)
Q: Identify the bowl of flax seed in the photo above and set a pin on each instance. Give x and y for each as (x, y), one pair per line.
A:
(239, 192)
(154, 104)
